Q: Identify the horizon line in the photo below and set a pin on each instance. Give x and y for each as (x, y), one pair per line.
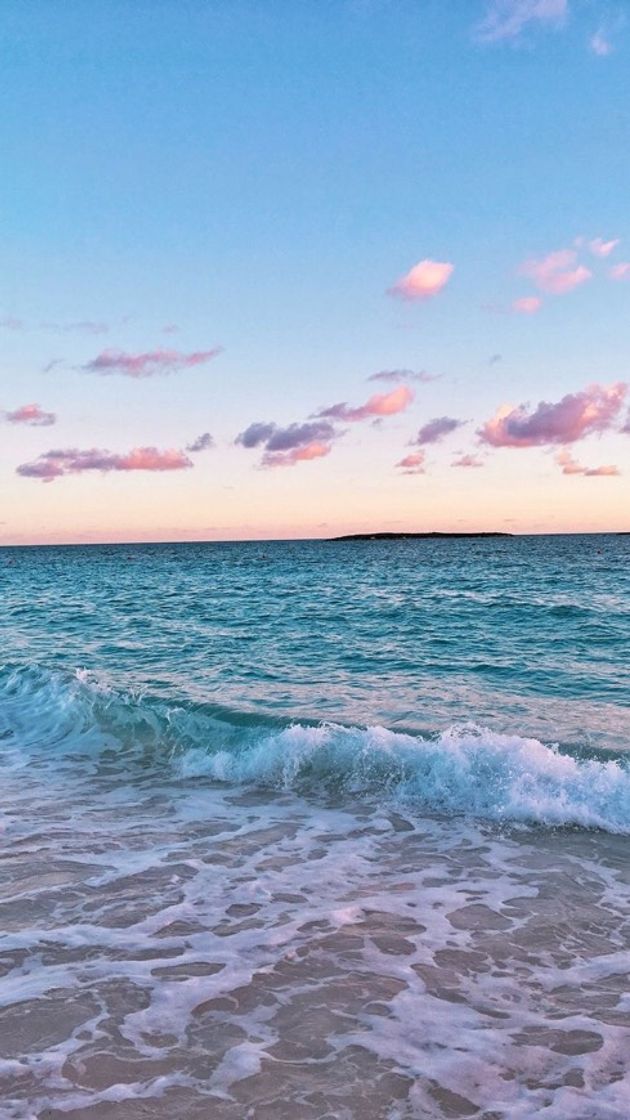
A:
(402, 534)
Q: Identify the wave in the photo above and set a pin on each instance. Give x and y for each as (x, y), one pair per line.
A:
(465, 769)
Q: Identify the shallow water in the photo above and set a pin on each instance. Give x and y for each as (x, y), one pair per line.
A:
(316, 830)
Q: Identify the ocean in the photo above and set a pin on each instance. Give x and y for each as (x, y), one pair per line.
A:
(316, 830)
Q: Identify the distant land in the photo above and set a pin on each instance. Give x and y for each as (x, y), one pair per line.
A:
(413, 536)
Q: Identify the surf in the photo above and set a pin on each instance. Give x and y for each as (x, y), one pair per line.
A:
(464, 769)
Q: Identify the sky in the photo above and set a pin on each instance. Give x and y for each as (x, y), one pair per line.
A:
(296, 268)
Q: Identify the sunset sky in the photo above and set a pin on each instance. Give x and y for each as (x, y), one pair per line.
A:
(299, 268)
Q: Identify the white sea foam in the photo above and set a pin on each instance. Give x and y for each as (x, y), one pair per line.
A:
(316, 919)
(465, 769)
(226, 950)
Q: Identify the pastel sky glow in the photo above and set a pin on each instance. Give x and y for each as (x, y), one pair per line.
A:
(407, 252)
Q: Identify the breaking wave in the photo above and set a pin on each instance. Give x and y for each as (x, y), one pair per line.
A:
(465, 769)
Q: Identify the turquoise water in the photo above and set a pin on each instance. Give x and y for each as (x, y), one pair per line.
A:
(413, 634)
(280, 817)
(224, 644)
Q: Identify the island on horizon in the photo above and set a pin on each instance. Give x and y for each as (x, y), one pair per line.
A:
(413, 536)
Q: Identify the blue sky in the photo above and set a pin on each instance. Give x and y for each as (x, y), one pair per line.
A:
(259, 175)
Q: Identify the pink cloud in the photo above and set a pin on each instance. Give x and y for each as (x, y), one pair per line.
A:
(601, 248)
(148, 364)
(413, 463)
(609, 471)
(620, 271)
(309, 451)
(576, 415)
(423, 281)
(556, 273)
(54, 464)
(296, 443)
(10, 323)
(31, 414)
(379, 405)
(505, 20)
(468, 461)
(569, 465)
(527, 305)
(149, 459)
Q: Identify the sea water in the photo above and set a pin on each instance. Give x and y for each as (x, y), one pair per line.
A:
(316, 830)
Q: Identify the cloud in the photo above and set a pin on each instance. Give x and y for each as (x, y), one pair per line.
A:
(423, 281)
(201, 443)
(148, 364)
(170, 328)
(600, 44)
(313, 450)
(506, 19)
(257, 433)
(527, 305)
(381, 404)
(394, 375)
(54, 464)
(31, 414)
(413, 463)
(557, 272)
(437, 429)
(576, 415)
(10, 323)
(620, 271)
(609, 471)
(296, 443)
(313, 439)
(601, 248)
(569, 465)
(468, 461)
(52, 364)
(295, 436)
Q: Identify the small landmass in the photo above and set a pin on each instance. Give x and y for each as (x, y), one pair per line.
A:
(414, 536)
